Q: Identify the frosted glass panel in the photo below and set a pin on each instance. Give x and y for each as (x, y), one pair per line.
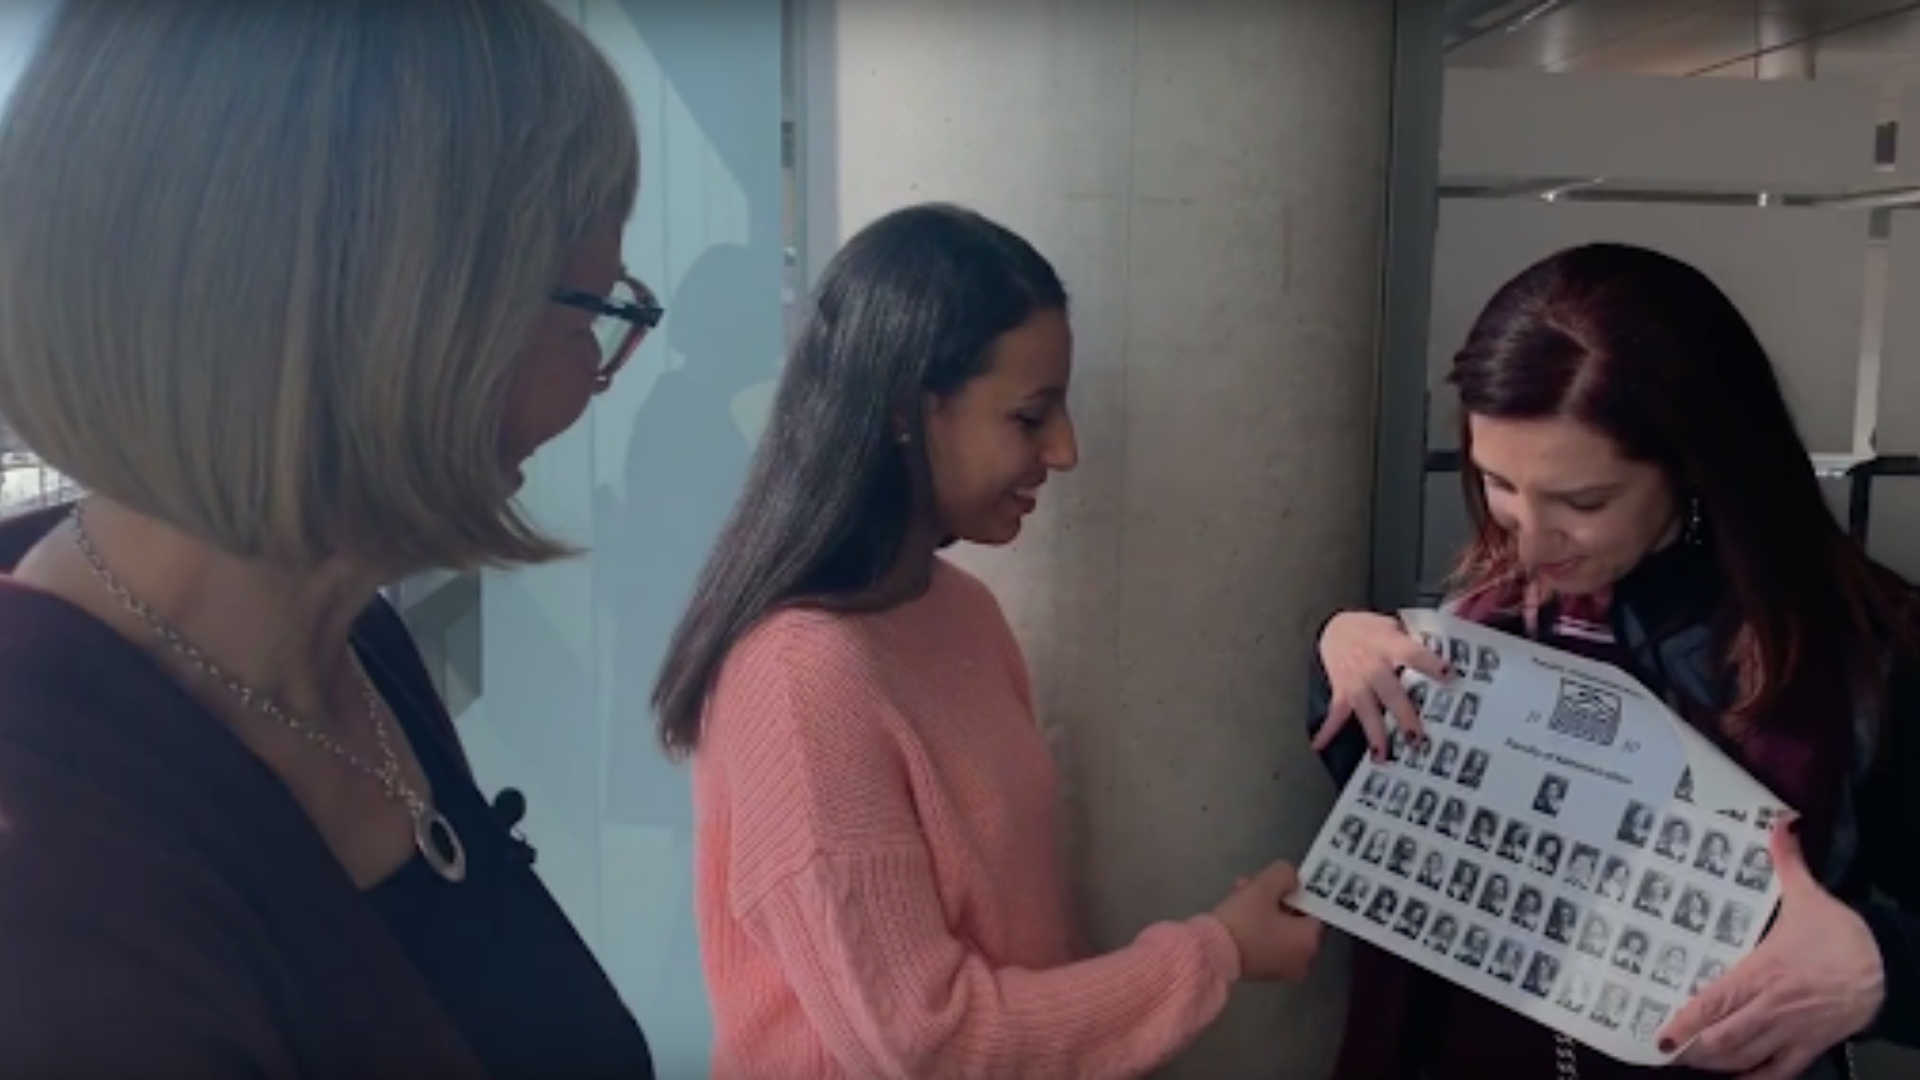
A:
(1733, 132)
(570, 651)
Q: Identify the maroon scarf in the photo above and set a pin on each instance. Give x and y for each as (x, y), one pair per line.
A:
(1403, 1022)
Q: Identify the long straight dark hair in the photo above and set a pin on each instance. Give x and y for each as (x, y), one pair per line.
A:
(1648, 351)
(912, 306)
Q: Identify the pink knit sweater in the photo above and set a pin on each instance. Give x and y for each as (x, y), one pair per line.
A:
(879, 889)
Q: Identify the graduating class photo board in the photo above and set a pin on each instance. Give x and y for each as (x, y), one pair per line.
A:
(1561, 843)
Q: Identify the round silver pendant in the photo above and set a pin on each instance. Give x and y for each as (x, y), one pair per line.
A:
(439, 845)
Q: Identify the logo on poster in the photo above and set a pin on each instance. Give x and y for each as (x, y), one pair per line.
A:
(1586, 712)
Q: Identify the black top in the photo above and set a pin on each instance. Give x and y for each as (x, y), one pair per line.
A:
(495, 949)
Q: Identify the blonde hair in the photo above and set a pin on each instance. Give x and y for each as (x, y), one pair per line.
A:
(268, 267)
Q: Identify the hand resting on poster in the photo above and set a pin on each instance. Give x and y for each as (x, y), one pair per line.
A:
(1364, 654)
(1271, 949)
(1814, 981)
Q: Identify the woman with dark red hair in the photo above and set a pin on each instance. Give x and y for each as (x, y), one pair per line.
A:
(1639, 494)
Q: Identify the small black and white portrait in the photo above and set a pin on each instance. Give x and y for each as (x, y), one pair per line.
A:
(1460, 886)
(1468, 712)
(1710, 970)
(1355, 893)
(1734, 924)
(1647, 1019)
(1561, 921)
(1630, 952)
(1635, 824)
(1541, 973)
(1474, 770)
(1417, 689)
(1348, 836)
(1551, 793)
(1473, 946)
(1528, 908)
(1460, 654)
(1385, 902)
(1441, 934)
(1373, 789)
(1413, 918)
(1690, 914)
(1434, 644)
(1401, 861)
(1670, 966)
(1446, 759)
(1611, 1009)
(1614, 879)
(1506, 960)
(1399, 742)
(1453, 817)
(1654, 894)
(1424, 806)
(1439, 704)
(1485, 824)
(1683, 791)
(1715, 855)
(1486, 661)
(1575, 993)
(1376, 848)
(1417, 752)
(1595, 935)
(1325, 877)
(1433, 870)
(1494, 894)
(1582, 865)
(1513, 843)
(1546, 854)
(1676, 839)
(1401, 795)
(1756, 869)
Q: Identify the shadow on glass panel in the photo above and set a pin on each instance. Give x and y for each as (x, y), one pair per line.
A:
(685, 460)
(687, 454)
(554, 758)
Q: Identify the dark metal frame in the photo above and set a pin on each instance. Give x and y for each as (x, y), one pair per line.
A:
(1412, 216)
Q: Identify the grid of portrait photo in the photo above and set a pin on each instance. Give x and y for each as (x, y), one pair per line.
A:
(1598, 928)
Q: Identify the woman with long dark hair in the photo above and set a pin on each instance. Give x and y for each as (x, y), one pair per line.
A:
(879, 892)
(1639, 494)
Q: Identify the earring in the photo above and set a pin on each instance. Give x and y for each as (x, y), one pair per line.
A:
(1693, 530)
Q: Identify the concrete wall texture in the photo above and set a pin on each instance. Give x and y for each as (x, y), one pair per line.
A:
(1209, 176)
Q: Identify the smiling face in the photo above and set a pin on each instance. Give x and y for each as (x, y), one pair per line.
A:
(1580, 514)
(555, 380)
(993, 443)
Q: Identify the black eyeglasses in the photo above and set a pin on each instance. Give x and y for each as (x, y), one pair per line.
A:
(622, 320)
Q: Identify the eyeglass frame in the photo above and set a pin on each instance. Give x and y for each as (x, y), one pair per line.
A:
(641, 317)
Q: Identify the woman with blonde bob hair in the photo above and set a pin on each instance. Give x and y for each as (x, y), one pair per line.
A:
(292, 290)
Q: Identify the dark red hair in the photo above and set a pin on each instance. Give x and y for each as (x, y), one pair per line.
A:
(1646, 350)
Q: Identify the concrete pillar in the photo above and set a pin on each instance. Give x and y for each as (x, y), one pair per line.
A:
(1209, 175)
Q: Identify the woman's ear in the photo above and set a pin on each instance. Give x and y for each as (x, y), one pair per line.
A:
(907, 427)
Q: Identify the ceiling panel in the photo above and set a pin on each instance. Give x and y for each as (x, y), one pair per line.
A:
(1552, 39)
(1738, 38)
(1701, 39)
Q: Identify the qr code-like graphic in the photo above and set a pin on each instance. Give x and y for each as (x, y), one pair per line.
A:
(1585, 711)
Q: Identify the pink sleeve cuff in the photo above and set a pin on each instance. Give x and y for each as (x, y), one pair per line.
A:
(1217, 944)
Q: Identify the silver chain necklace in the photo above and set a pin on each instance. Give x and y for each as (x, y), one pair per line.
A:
(433, 835)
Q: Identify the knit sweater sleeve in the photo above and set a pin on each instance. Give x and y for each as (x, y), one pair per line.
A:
(833, 877)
